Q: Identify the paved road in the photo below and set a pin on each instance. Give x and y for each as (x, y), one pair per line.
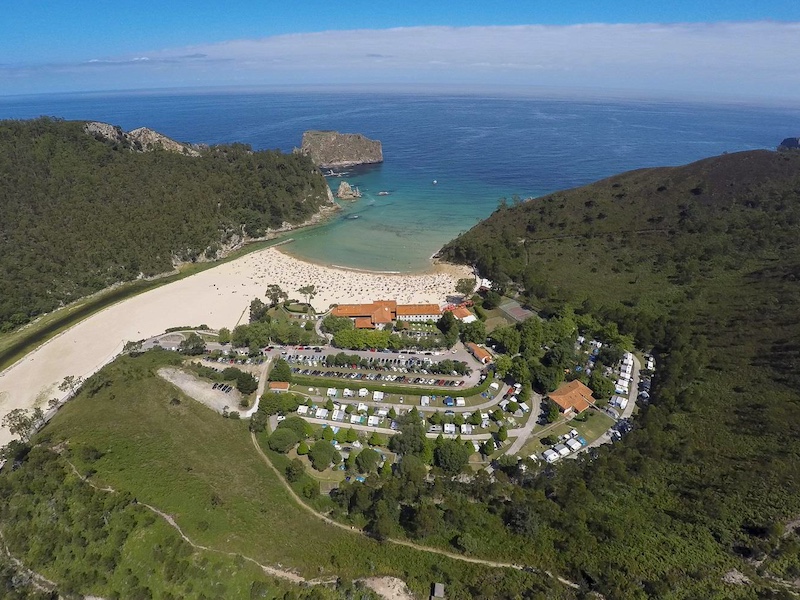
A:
(632, 397)
(523, 433)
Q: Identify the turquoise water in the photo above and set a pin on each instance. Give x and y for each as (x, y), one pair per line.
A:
(399, 231)
(479, 148)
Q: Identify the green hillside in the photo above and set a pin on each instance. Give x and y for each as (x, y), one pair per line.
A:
(700, 262)
(80, 213)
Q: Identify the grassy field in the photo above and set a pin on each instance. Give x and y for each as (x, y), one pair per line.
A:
(201, 468)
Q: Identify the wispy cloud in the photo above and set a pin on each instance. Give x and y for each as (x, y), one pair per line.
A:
(720, 58)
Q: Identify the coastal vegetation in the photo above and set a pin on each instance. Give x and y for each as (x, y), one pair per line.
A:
(700, 263)
(149, 442)
(82, 213)
(697, 263)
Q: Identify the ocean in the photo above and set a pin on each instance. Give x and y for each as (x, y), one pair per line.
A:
(448, 159)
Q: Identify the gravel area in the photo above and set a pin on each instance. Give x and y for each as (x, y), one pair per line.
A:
(201, 390)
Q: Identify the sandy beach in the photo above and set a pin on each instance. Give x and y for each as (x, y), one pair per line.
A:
(218, 297)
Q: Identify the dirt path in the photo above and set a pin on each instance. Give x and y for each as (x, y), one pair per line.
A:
(407, 544)
(269, 570)
(36, 580)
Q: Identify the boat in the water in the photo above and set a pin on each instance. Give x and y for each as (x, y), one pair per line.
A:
(383, 193)
(353, 217)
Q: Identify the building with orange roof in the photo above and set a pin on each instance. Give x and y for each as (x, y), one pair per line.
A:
(418, 312)
(383, 312)
(278, 386)
(481, 354)
(462, 314)
(572, 397)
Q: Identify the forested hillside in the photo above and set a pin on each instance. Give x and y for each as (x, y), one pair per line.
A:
(700, 262)
(79, 212)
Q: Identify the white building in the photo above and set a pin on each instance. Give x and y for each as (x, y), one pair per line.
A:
(377, 396)
(363, 393)
(460, 401)
(331, 392)
(450, 428)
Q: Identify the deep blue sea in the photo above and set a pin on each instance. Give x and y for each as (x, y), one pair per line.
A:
(478, 149)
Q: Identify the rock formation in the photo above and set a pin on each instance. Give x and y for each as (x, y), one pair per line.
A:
(792, 143)
(346, 192)
(138, 140)
(329, 149)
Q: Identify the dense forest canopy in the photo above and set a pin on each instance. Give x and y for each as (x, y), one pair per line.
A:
(79, 212)
(700, 262)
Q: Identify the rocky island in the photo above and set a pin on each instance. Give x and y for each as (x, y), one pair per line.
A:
(330, 149)
(347, 192)
(791, 143)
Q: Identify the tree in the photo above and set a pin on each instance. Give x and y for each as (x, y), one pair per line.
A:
(224, 336)
(502, 434)
(23, 422)
(451, 456)
(71, 384)
(351, 435)
(294, 470)
(602, 387)
(309, 291)
(553, 411)
(376, 439)
(473, 332)
(192, 345)
(258, 310)
(275, 294)
(246, 383)
(281, 371)
(465, 286)
(300, 426)
(502, 365)
(492, 300)
(302, 449)
(322, 454)
(282, 440)
(367, 460)
(333, 325)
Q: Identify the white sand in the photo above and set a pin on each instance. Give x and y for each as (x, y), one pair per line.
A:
(219, 297)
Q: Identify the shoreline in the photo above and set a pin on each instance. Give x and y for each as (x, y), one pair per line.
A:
(218, 296)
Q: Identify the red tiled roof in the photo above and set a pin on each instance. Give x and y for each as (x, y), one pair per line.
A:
(482, 354)
(279, 385)
(364, 323)
(573, 395)
(461, 312)
(418, 309)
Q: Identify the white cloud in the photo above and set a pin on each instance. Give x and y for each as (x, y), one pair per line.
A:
(757, 58)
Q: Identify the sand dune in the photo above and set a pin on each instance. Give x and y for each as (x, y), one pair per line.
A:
(218, 297)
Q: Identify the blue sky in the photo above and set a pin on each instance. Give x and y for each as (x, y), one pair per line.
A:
(729, 47)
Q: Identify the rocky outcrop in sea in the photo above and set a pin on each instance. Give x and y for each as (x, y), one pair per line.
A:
(331, 149)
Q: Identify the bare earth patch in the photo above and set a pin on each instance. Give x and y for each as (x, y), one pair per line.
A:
(736, 578)
(390, 588)
(200, 390)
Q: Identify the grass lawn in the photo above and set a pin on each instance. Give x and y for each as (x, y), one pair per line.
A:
(591, 429)
(181, 457)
